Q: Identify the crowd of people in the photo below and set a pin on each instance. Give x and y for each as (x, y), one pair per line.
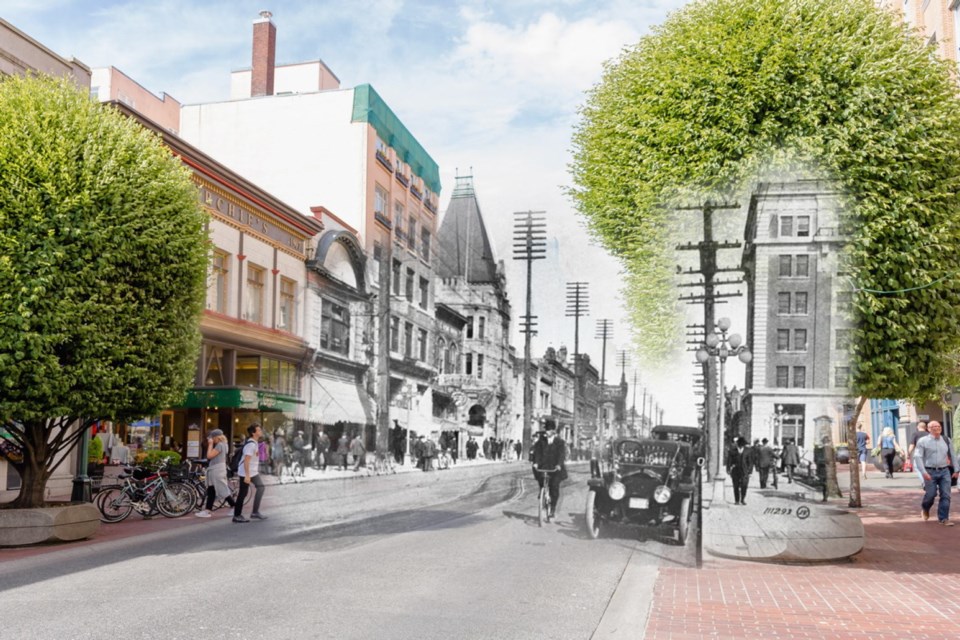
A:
(742, 460)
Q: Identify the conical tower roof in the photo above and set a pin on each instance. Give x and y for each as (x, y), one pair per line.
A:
(463, 247)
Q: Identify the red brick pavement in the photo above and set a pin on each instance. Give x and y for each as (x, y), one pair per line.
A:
(902, 585)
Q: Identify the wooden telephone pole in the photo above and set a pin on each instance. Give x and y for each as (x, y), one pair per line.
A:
(529, 244)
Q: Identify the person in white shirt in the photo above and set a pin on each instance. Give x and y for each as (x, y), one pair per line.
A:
(249, 473)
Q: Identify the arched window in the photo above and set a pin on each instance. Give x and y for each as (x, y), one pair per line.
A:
(439, 356)
(452, 364)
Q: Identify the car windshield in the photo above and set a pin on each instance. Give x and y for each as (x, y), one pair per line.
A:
(648, 452)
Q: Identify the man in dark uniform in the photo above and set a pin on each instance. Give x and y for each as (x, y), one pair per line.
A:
(765, 460)
(549, 453)
(739, 465)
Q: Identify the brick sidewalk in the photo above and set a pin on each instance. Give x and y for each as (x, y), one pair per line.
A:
(902, 585)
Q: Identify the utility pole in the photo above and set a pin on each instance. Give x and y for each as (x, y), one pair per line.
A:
(529, 244)
(707, 250)
(578, 305)
(383, 344)
(633, 408)
(622, 361)
(604, 332)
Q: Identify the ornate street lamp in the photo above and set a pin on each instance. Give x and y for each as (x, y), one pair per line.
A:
(722, 347)
(778, 424)
(408, 392)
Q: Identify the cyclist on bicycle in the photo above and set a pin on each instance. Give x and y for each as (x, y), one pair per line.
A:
(550, 452)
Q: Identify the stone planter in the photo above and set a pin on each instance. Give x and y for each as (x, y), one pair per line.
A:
(48, 524)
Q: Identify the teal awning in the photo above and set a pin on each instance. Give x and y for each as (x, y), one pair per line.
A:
(240, 399)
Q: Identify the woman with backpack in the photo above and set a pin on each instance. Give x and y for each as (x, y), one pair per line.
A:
(217, 486)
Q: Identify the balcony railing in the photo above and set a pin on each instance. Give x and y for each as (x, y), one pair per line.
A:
(382, 159)
(380, 217)
(416, 192)
(428, 204)
(402, 179)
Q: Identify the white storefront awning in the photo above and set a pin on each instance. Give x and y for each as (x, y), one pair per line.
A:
(340, 401)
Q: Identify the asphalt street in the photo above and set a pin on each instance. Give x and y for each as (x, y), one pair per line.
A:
(458, 557)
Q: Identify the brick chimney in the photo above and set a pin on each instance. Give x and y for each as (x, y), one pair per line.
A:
(264, 55)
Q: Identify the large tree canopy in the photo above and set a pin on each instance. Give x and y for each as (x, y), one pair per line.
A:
(103, 256)
(725, 88)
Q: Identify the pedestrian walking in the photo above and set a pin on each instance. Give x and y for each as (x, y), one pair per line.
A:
(472, 447)
(889, 447)
(249, 473)
(739, 463)
(765, 460)
(217, 487)
(343, 450)
(921, 433)
(429, 453)
(323, 449)
(486, 447)
(863, 445)
(518, 447)
(359, 452)
(791, 458)
(937, 462)
(278, 451)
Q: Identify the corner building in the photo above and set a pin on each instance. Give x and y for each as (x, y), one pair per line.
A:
(293, 129)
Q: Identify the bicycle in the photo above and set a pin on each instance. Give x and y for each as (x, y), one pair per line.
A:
(291, 469)
(147, 492)
(543, 500)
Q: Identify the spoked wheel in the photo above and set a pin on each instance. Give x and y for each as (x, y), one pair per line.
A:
(176, 499)
(114, 505)
(686, 512)
(592, 516)
(543, 505)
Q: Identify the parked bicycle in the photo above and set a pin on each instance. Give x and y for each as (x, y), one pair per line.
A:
(147, 492)
(195, 475)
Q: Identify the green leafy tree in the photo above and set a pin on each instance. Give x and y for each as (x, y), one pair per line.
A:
(723, 90)
(103, 258)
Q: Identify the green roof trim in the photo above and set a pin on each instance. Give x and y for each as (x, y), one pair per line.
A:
(369, 107)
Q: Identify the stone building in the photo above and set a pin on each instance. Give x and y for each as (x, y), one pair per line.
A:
(471, 281)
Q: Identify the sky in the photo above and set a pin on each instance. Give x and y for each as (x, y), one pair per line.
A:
(488, 87)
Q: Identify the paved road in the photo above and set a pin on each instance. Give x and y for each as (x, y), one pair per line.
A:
(459, 557)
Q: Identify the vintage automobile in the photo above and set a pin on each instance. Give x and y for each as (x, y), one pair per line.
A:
(649, 482)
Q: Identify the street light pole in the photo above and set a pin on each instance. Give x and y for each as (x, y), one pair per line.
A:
(721, 347)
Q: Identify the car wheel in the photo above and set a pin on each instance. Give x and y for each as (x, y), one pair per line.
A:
(592, 516)
(685, 513)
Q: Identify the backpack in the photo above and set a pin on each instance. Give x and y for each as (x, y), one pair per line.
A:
(234, 467)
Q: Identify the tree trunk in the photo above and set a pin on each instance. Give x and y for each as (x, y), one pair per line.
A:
(854, 454)
(35, 469)
(830, 460)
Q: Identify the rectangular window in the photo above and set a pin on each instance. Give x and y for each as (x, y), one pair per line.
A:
(799, 377)
(248, 371)
(424, 293)
(394, 334)
(800, 303)
(786, 226)
(803, 226)
(425, 244)
(841, 376)
(469, 327)
(843, 339)
(408, 339)
(422, 335)
(802, 264)
(782, 373)
(799, 339)
(481, 327)
(783, 303)
(398, 213)
(783, 339)
(844, 300)
(786, 266)
(412, 234)
(334, 327)
(479, 365)
(217, 297)
(380, 199)
(408, 289)
(256, 276)
(396, 277)
(288, 305)
(468, 364)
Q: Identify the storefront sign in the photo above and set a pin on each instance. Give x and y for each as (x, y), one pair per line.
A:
(254, 221)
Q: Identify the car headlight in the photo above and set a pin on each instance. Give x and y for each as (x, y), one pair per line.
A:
(616, 491)
(662, 494)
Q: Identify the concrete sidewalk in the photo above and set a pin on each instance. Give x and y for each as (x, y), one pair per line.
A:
(903, 583)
